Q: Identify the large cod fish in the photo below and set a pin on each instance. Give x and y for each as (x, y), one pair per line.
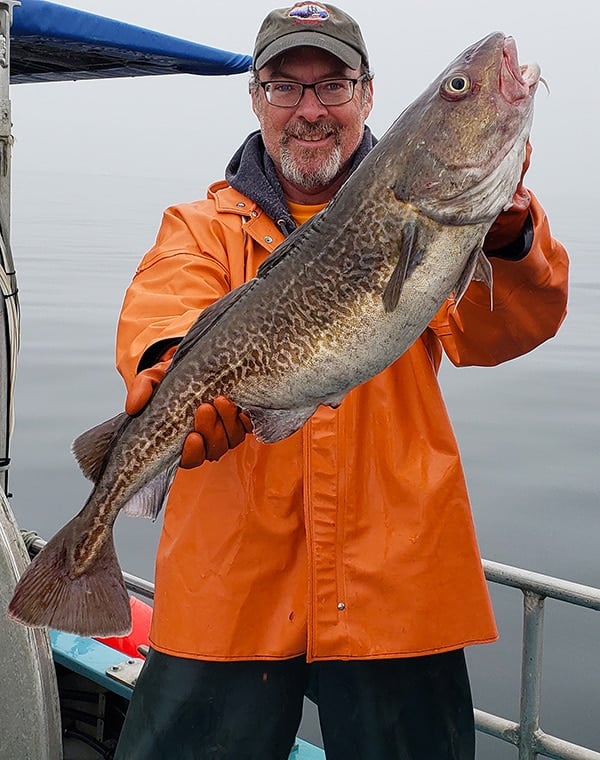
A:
(342, 298)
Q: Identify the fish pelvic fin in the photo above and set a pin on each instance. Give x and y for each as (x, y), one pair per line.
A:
(410, 256)
(478, 267)
(149, 500)
(271, 425)
(52, 594)
(90, 448)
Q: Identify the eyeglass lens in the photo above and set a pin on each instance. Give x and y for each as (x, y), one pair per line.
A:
(330, 92)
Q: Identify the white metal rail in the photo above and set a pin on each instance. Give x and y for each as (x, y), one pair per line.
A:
(527, 735)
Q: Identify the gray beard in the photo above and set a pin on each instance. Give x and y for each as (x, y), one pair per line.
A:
(313, 180)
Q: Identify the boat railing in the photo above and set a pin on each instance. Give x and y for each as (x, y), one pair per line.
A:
(526, 734)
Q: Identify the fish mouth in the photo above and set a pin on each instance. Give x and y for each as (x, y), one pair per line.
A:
(517, 82)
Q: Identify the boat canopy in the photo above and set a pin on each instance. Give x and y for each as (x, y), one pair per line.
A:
(52, 42)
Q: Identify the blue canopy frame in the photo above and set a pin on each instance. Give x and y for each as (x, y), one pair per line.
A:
(52, 42)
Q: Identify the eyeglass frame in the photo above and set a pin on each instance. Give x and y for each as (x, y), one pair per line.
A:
(313, 86)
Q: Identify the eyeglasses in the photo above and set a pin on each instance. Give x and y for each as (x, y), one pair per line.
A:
(330, 92)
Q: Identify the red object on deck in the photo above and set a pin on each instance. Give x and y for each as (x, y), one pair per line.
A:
(141, 616)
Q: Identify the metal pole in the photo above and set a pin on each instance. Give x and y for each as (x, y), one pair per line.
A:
(531, 673)
(9, 308)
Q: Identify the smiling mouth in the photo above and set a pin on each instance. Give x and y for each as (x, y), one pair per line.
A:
(313, 138)
(312, 133)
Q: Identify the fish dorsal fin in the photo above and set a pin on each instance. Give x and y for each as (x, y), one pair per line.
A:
(209, 317)
(291, 242)
(90, 448)
(410, 255)
(280, 253)
(149, 500)
(478, 268)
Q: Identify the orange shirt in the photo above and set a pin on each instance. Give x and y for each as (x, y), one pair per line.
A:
(302, 213)
(352, 538)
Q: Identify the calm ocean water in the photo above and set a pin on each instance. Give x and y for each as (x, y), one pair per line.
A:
(528, 429)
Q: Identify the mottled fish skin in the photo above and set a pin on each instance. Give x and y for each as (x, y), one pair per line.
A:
(341, 299)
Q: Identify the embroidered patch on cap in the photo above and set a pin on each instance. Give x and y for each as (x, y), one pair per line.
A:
(309, 12)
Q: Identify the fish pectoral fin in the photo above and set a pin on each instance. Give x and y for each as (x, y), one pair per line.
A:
(270, 425)
(149, 500)
(410, 255)
(478, 268)
(90, 448)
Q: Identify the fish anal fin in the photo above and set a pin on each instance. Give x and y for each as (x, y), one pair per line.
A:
(50, 594)
(149, 500)
(410, 255)
(90, 448)
(271, 425)
(478, 268)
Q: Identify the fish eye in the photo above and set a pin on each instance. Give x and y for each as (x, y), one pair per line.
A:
(455, 86)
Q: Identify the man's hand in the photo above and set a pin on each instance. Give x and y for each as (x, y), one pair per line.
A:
(509, 225)
(144, 383)
(218, 426)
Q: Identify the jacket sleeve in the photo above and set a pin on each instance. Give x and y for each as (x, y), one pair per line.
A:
(185, 271)
(529, 304)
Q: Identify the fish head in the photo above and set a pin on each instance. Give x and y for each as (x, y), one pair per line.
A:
(462, 142)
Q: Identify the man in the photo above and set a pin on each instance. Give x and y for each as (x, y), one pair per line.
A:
(341, 561)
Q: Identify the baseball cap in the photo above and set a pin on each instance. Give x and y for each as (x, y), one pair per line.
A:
(312, 24)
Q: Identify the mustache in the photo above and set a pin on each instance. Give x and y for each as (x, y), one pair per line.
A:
(306, 131)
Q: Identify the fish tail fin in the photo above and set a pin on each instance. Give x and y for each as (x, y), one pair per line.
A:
(52, 594)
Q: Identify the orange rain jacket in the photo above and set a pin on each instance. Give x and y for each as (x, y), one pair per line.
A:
(353, 538)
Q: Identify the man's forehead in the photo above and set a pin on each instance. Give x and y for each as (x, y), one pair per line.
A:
(307, 56)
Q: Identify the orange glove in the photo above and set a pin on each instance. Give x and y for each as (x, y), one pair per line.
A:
(509, 225)
(218, 426)
(145, 382)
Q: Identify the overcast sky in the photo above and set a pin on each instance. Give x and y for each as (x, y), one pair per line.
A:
(184, 128)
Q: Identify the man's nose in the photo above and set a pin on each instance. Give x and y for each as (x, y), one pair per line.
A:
(310, 107)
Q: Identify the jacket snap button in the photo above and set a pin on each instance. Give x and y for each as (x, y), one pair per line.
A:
(341, 606)
(268, 239)
(241, 204)
(254, 213)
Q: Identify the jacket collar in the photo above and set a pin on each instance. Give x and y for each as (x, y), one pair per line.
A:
(252, 172)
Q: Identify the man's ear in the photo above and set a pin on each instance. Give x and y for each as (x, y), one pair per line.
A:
(253, 89)
(369, 98)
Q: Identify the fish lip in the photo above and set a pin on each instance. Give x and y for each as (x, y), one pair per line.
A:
(517, 82)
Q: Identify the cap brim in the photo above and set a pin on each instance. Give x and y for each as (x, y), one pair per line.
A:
(345, 53)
